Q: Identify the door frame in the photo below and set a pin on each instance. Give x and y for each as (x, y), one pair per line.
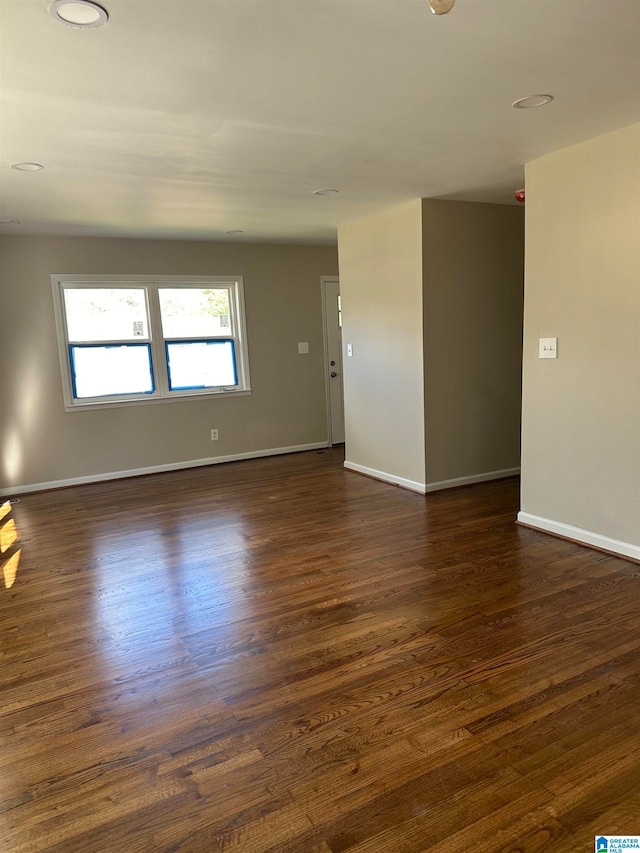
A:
(325, 279)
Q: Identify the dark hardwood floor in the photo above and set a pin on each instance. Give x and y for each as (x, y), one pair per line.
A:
(279, 655)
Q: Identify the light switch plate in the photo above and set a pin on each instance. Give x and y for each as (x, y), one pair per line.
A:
(303, 347)
(350, 350)
(548, 348)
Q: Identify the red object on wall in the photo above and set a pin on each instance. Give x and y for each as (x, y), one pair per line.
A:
(520, 196)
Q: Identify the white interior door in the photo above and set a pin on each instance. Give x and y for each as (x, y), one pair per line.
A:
(333, 358)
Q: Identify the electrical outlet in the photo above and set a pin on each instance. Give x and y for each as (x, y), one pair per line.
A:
(214, 435)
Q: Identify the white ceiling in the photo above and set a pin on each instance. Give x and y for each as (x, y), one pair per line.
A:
(188, 118)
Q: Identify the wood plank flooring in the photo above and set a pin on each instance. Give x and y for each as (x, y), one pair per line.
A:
(280, 655)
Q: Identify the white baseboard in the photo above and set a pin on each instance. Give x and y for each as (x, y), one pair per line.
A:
(157, 469)
(413, 485)
(473, 478)
(422, 488)
(577, 534)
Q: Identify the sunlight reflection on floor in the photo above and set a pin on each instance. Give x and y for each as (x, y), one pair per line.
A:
(143, 616)
(9, 552)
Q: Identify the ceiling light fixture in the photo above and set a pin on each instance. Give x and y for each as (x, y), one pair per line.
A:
(531, 102)
(78, 13)
(236, 231)
(326, 192)
(441, 7)
(27, 167)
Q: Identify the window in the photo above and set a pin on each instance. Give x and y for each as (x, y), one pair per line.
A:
(125, 340)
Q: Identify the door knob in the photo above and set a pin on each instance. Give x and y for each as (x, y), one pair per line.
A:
(333, 374)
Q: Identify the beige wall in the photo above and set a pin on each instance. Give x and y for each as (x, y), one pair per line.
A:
(40, 442)
(473, 290)
(381, 288)
(581, 413)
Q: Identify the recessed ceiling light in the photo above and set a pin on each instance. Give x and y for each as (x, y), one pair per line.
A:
(532, 102)
(78, 13)
(441, 7)
(237, 231)
(326, 192)
(10, 222)
(27, 167)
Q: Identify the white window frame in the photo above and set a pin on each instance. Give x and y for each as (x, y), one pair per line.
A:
(151, 284)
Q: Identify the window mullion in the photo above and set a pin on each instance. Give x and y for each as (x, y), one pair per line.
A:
(158, 353)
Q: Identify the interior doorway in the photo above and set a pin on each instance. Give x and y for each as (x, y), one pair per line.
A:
(332, 324)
